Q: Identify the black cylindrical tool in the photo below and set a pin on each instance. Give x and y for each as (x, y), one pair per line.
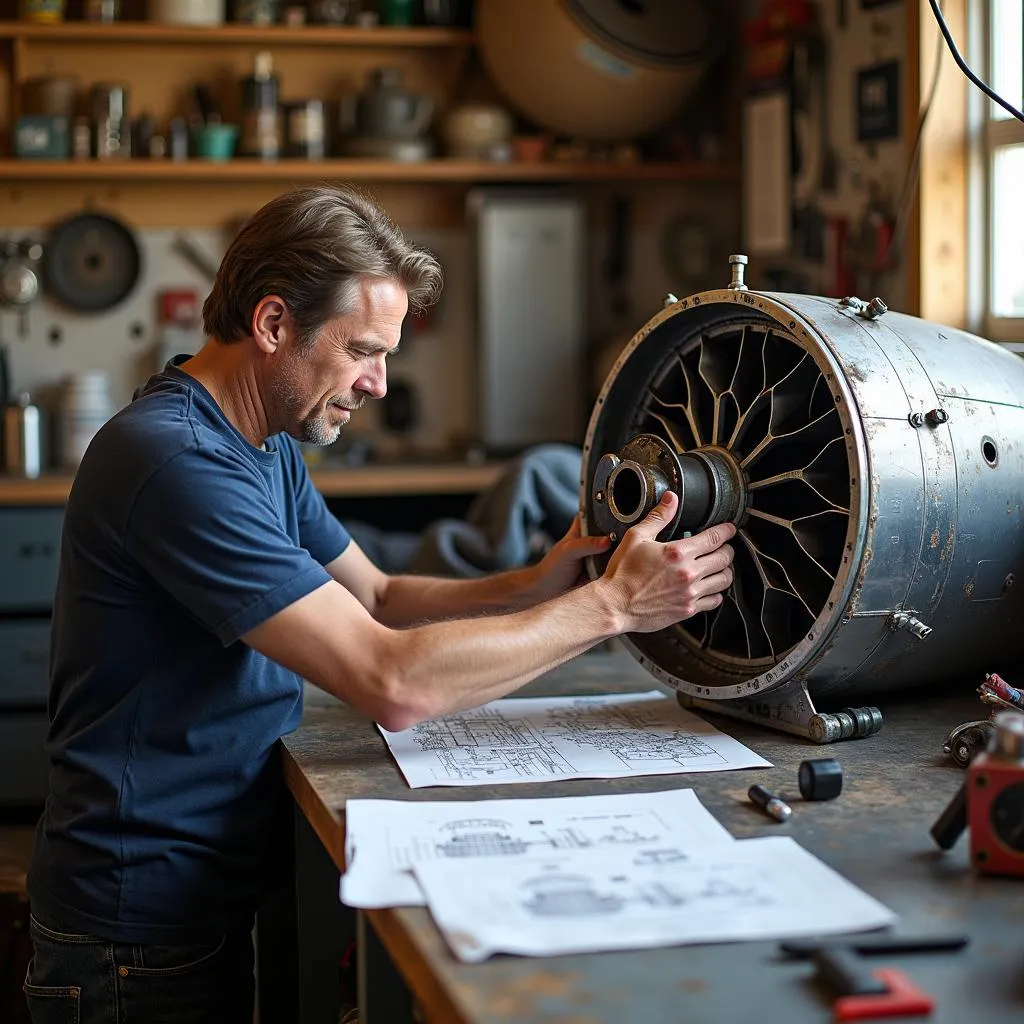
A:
(820, 779)
(770, 803)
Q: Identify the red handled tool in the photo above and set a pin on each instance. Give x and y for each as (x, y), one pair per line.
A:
(900, 998)
(863, 993)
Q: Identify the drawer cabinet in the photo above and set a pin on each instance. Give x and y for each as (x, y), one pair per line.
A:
(25, 767)
(24, 662)
(29, 556)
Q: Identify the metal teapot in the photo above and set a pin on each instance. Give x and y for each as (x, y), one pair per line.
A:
(384, 109)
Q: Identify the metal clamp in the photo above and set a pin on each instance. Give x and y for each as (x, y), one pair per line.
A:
(904, 620)
(871, 310)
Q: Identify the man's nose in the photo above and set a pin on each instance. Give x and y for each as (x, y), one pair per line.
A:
(375, 383)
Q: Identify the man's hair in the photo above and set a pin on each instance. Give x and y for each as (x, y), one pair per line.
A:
(309, 246)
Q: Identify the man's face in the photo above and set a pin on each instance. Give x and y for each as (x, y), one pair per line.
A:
(316, 391)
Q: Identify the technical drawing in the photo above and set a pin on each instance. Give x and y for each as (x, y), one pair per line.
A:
(568, 896)
(489, 743)
(632, 733)
(493, 838)
(536, 739)
(560, 895)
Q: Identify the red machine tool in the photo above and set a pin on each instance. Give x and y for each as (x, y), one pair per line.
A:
(991, 802)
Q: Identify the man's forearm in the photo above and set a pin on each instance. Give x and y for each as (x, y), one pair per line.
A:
(449, 666)
(409, 600)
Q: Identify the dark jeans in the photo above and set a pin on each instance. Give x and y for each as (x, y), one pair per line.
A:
(81, 979)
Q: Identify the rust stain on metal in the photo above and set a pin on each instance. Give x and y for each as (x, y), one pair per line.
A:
(934, 539)
(947, 549)
(854, 371)
(969, 589)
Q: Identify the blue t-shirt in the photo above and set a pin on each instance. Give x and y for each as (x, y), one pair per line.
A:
(167, 808)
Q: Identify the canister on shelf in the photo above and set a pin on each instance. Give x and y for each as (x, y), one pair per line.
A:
(81, 139)
(51, 95)
(261, 117)
(178, 138)
(85, 408)
(104, 11)
(23, 438)
(45, 12)
(108, 105)
(256, 12)
(305, 129)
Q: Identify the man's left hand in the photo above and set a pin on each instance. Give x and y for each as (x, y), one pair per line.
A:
(561, 568)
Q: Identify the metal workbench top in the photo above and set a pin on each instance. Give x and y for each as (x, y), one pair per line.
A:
(876, 834)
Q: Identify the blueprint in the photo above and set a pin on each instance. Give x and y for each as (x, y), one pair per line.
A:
(752, 889)
(538, 739)
(386, 839)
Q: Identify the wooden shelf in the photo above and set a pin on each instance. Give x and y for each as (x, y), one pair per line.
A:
(356, 170)
(270, 35)
(377, 480)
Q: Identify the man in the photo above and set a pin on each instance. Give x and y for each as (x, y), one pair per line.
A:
(202, 578)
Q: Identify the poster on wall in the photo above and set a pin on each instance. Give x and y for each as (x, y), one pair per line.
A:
(878, 102)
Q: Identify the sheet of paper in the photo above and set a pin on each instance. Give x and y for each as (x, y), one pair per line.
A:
(539, 739)
(751, 889)
(386, 839)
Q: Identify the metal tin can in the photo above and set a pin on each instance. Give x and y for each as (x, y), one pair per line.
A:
(305, 129)
(23, 438)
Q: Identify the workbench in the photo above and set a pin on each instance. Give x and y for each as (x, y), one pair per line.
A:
(876, 834)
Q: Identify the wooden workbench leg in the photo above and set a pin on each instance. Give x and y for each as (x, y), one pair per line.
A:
(384, 997)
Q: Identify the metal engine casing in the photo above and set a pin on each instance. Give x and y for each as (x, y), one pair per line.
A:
(877, 481)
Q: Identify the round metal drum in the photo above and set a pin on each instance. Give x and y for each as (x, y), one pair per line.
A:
(873, 465)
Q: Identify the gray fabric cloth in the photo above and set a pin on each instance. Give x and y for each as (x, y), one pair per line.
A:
(511, 524)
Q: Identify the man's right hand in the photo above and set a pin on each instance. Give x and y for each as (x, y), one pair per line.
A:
(656, 584)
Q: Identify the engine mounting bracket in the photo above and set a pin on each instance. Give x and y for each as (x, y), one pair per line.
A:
(789, 708)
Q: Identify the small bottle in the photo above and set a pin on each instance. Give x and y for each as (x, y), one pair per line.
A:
(142, 135)
(261, 117)
(178, 138)
(23, 438)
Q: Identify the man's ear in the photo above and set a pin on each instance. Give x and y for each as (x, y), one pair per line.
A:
(271, 323)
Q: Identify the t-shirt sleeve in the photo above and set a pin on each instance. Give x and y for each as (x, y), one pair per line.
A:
(205, 529)
(320, 533)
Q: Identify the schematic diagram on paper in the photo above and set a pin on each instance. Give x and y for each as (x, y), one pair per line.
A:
(538, 739)
(489, 838)
(387, 839)
(766, 888)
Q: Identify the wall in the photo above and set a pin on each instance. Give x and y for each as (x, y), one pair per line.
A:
(870, 176)
(440, 361)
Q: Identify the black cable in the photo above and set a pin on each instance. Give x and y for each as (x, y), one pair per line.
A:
(962, 64)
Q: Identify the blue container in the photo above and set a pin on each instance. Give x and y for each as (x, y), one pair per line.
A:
(215, 141)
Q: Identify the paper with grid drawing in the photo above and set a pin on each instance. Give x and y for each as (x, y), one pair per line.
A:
(386, 839)
(752, 889)
(540, 739)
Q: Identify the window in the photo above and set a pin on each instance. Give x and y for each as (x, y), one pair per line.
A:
(1003, 162)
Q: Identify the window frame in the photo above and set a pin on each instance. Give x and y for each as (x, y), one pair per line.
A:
(994, 134)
